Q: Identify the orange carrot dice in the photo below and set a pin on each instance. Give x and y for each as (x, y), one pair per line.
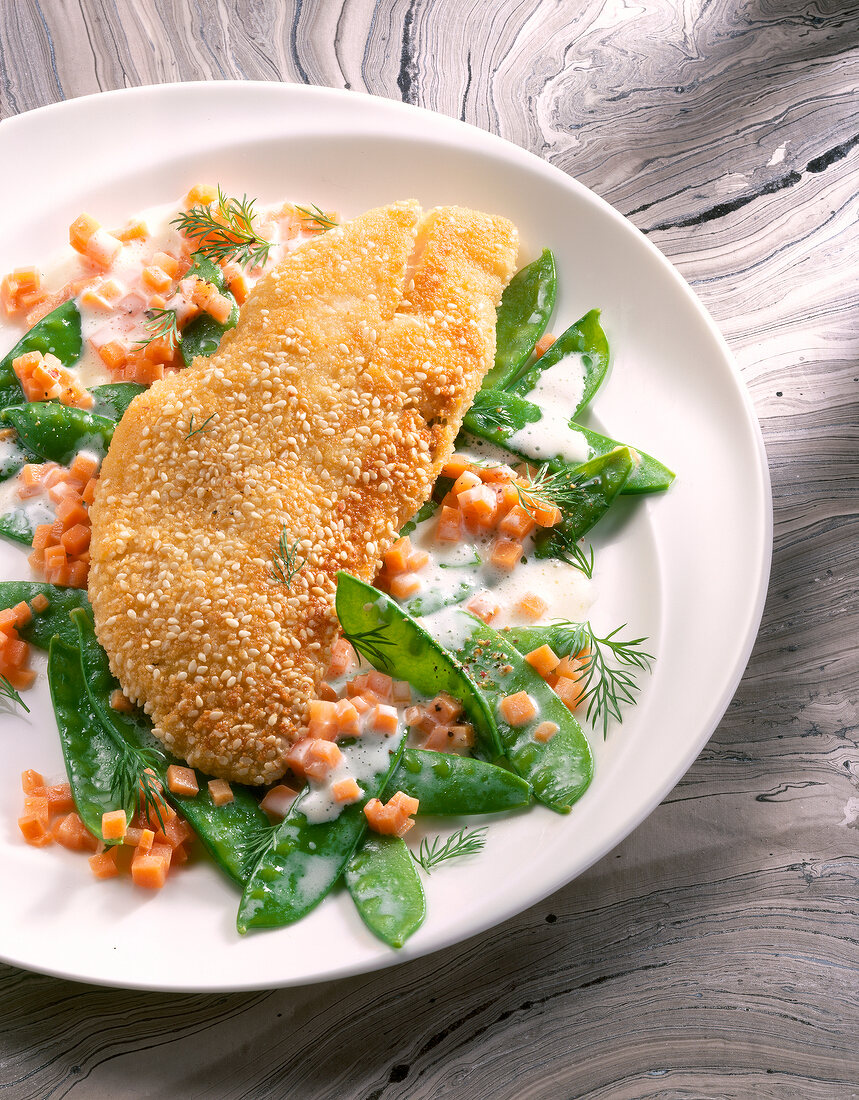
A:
(346, 718)
(201, 194)
(505, 553)
(278, 800)
(404, 585)
(150, 872)
(145, 840)
(543, 660)
(545, 731)
(381, 684)
(346, 790)
(23, 614)
(417, 560)
(322, 720)
(444, 708)
(34, 830)
(569, 691)
(449, 527)
(384, 719)
(40, 603)
(483, 606)
(71, 832)
(517, 523)
(76, 539)
(518, 709)
(468, 479)
(155, 278)
(113, 354)
(80, 232)
(342, 659)
(543, 345)
(322, 757)
(113, 824)
(396, 559)
(401, 692)
(182, 781)
(455, 465)
(31, 781)
(531, 606)
(60, 799)
(220, 792)
(103, 864)
(134, 230)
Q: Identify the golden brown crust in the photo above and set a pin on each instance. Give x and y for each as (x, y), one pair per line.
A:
(334, 404)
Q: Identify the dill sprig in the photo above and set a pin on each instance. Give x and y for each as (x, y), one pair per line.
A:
(313, 214)
(493, 415)
(285, 561)
(8, 692)
(161, 324)
(370, 644)
(225, 231)
(464, 843)
(255, 844)
(558, 487)
(192, 431)
(606, 688)
(569, 550)
(135, 781)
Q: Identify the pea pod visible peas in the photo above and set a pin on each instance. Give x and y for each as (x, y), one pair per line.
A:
(385, 885)
(91, 754)
(525, 309)
(559, 770)
(57, 432)
(585, 338)
(54, 620)
(112, 399)
(59, 333)
(230, 832)
(497, 415)
(391, 640)
(203, 335)
(305, 859)
(446, 784)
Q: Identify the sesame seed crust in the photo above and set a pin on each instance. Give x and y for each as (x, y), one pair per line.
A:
(334, 404)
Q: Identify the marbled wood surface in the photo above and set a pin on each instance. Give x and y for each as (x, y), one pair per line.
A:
(713, 954)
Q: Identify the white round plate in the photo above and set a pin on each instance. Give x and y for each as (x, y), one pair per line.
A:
(687, 568)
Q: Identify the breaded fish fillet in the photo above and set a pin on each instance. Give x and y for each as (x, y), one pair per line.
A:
(320, 426)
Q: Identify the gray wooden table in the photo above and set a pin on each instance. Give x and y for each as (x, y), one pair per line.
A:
(714, 953)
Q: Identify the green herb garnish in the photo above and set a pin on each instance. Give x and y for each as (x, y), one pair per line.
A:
(192, 431)
(225, 231)
(8, 692)
(161, 324)
(285, 562)
(464, 843)
(314, 214)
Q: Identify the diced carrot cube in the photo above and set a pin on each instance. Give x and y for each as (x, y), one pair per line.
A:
(417, 718)
(180, 855)
(545, 731)
(505, 553)
(16, 653)
(384, 719)
(497, 475)
(455, 465)
(239, 286)
(20, 678)
(23, 614)
(145, 839)
(569, 691)
(531, 606)
(449, 528)
(78, 571)
(60, 798)
(71, 832)
(543, 659)
(103, 864)
(396, 559)
(182, 781)
(468, 479)
(365, 702)
(518, 709)
(120, 701)
(381, 684)
(219, 308)
(450, 738)
(168, 264)
(483, 606)
(322, 720)
(88, 495)
(8, 621)
(543, 345)
(114, 354)
(31, 780)
(278, 800)
(80, 232)
(404, 585)
(417, 560)
(135, 230)
(71, 513)
(113, 824)
(346, 718)
(322, 757)
(201, 194)
(546, 515)
(132, 836)
(102, 247)
(342, 659)
(479, 503)
(155, 278)
(220, 792)
(83, 467)
(298, 756)
(401, 692)
(76, 539)
(34, 830)
(150, 872)
(404, 802)
(40, 603)
(444, 708)
(517, 523)
(346, 790)
(37, 805)
(392, 819)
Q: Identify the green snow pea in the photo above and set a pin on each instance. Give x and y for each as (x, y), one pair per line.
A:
(54, 620)
(113, 399)
(560, 769)
(14, 456)
(59, 333)
(447, 784)
(385, 885)
(585, 338)
(525, 309)
(18, 526)
(57, 432)
(91, 754)
(393, 642)
(203, 335)
(497, 415)
(305, 859)
(230, 832)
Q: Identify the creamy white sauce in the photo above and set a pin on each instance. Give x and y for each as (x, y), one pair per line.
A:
(558, 392)
(369, 755)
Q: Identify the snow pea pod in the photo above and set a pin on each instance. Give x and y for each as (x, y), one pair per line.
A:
(59, 333)
(497, 415)
(385, 885)
(392, 641)
(91, 755)
(305, 859)
(13, 457)
(18, 526)
(203, 335)
(112, 399)
(57, 432)
(446, 784)
(559, 770)
(525, 309)
(585, 338)
(230, 833)
(54, 620)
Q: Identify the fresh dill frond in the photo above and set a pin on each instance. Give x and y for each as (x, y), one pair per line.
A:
(225, 231)
(192, 431)
(313, 214)
(606, 686)
(255, 845)
(8, 692)
(135, 782)
(370, 644)
(569, 550)
(492, 413)
(464, 843)
(161, 324)
(552, 486)
(285, 562)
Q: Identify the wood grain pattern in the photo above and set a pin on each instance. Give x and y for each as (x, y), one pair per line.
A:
(714, 953)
